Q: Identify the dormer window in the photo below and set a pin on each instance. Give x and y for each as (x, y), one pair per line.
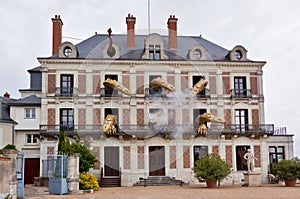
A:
(238, 53)
(67, 50)
(154, 52)
(197, 52)
(154, 47)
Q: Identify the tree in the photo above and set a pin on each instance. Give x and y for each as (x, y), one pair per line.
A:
(87, 158)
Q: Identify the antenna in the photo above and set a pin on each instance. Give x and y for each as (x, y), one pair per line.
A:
(149, 16)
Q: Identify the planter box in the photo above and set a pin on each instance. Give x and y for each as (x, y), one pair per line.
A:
(58, 186)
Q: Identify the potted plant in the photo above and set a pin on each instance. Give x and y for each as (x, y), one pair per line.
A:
(9, 149)
(211, 168)
(287, 171)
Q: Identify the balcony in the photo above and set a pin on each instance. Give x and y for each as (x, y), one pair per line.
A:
(70, 130)
(169, 130)
(155, 92)
(240, 93)
(109, 92)
(66, 92)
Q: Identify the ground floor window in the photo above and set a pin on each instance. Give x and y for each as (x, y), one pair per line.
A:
(241, 163)
(31, 138)
(200, 152)
(275, 154)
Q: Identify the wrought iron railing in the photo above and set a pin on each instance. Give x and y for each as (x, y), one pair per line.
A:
(155, 92)
(109, 92)
(240, 93)
(145, 130)
(66, 92)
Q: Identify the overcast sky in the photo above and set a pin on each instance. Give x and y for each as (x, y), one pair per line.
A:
(268, 29)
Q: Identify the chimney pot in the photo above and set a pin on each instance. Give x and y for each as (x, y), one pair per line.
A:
(172, 26)
(130, 21)
(6, 94)
(56, 33)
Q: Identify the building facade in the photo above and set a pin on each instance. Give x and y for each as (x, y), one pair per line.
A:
(75, 100)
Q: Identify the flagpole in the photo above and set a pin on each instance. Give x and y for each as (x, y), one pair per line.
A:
(149, 16)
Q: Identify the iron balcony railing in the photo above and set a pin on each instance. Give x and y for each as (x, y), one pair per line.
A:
(240, 93)
(155, 92)
(173, 130)
(109, 92)
(66, 92)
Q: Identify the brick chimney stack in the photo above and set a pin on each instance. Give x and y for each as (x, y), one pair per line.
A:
(130, 21)
(172, 26)
(56, 33)
(7, 95)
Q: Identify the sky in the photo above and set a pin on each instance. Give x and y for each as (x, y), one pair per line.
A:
(268, 29)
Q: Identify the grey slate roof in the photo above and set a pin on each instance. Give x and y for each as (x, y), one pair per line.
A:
(92, 47)
(31, 100)
(4, 110)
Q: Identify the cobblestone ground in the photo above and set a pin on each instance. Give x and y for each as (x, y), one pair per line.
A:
(277, 191)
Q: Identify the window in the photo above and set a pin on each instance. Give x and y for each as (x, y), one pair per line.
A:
(200, 152)
(158, 91)
(31, 138)
(196, 113)
(154, 52)
(196, 79)
(241, 120)
(276, 154)
(241, 163)
(30, 113)
(197, 54)
(240, 87)
(238, 54)
(67, 119)
(66, 84)
(115, 112)
(67, 51)
(110, 92)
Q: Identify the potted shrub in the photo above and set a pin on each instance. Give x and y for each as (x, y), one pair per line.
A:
(211, 168)
(287, 171)
(9, 150)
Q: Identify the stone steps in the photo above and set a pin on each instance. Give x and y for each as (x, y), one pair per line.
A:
(159, 181)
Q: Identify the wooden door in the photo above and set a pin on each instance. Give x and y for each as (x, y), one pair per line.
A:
(156, 161)
(32, 169)
(111, 161)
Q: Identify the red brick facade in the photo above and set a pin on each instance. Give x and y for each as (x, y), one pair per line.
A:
(50, 150)
(81, 117)
(257, 162)
(212, 84)
(51, 116)
(227, 113)
(141, 157)
(172, 157)
(96, 150)
(126, 157)
(140, 84)
(96, 114)
(253, 82)
(184, 81)
(140, 116)
(171, 116)
(228, 150)
(186, 157)
(255, 117)
(226, 84)
(215, 150)
(96, 84)
(51, 83)
(81, 83)
(126, 116)
(185, 116)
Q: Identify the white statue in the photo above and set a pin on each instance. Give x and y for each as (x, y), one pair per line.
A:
(250, 160)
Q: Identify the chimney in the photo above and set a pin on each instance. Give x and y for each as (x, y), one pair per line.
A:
(7, 95)
(56, 34)
(130, 21)
(172, 26)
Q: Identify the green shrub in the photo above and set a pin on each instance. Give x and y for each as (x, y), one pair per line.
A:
(287, 169)
(211, 167)
(88, 181)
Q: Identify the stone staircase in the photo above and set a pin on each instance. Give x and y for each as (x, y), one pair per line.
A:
(159, 181)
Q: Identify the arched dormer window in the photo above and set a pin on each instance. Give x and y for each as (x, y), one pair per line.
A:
(238, 53)
(197, 53)
(154, 47)
(112, 51)
(67, 50)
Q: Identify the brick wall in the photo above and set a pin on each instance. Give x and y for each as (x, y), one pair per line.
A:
(184, 81)
(50, 150)
(140, 116)
(51, 116)
(126, 157)
(172, 157)
(82, 117)
(255, 116)
(140, 84)
(215, 150)
(126, 116)
(51, 83)
(253, 83)
(186, 157)
(185, 116)
(227, 113)
(96, 84)
(228, 151)
(141, 157)
(171, 79)
(212, 83)
(126, 79)
(81, 83)
(96, 116)
(257, 162)
(226, 84)
(96, 150)
(171, 116)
